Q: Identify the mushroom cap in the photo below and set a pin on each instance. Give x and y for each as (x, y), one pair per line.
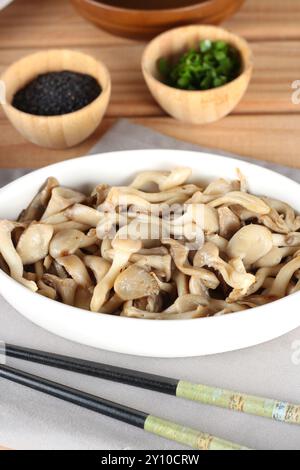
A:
(61, 198)
(250, 243)
(33, 244)
(248, 201)
(165, 180)
(67, 242)
(66, 288)
(229, 222)
(37, 206)
(135, 282)
(176, 177)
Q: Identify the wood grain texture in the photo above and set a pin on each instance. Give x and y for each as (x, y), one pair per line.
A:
(140, 23)
(267, 137)
(276, 66)
(267, 20)
(56, 23)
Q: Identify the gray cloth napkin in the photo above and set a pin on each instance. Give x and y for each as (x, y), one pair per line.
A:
(30, 420)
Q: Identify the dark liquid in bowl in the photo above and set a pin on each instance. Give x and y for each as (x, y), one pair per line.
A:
(150, 4)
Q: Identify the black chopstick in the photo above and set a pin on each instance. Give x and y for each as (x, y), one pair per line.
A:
(259, 406)
(172, 431)
(94, 369)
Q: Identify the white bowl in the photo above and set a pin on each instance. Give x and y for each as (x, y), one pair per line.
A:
(177, 338)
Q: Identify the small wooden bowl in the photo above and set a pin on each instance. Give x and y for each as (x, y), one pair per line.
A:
(148, 21)
(195, 107)
(67, 130)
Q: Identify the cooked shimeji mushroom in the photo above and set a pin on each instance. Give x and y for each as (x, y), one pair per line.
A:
(67, 242)
(33, 244)
(39, 203)
(65, 288)
(123, 249)
(10, 255)
(165, 180)
(61, 198)
(76, 269)
(161, 248)
(250, 243)
(135, 282)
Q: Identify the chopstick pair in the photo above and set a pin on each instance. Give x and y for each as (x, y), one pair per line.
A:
(268, 408)
(235, 401)
(152, 424)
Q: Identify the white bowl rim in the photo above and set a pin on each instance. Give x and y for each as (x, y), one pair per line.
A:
(119, 318)
(113, 320)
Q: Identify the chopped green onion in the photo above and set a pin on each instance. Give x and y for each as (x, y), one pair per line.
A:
(212, 65)
(205, 45)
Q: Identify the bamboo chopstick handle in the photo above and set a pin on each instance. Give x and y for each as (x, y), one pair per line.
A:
(236, 401)
(258, 406)
(188, 436)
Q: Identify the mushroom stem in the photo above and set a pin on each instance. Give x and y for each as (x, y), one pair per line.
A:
(67, 242)
(99, 266)
(275, 256)
(165, 180)
(291, 239)
(83, 215)
(112, 305)
(137, 313)
(66, 288)
(123, 251)
(82, 298)
(162, 264)
(187, 303)
(181, 281)
(39, 269)
(10, 254)
(76, 269)
(46, 291)
(236, 278)
(117, 193)
(248, 201)
(61, 198)
(180, 256)
(38, 205)
(283, 278)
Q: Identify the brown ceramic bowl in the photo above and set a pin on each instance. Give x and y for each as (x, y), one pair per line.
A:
(155, 17)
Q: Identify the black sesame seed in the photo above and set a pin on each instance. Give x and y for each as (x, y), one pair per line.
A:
(57, 93)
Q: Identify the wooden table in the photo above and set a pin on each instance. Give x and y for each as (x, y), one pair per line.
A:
(265, 125)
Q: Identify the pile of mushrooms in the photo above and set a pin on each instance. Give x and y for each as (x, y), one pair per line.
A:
(114, 251)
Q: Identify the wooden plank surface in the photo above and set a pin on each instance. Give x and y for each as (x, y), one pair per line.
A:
(267, 137)
(56, 23)
(264, 125)
(277, 65)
